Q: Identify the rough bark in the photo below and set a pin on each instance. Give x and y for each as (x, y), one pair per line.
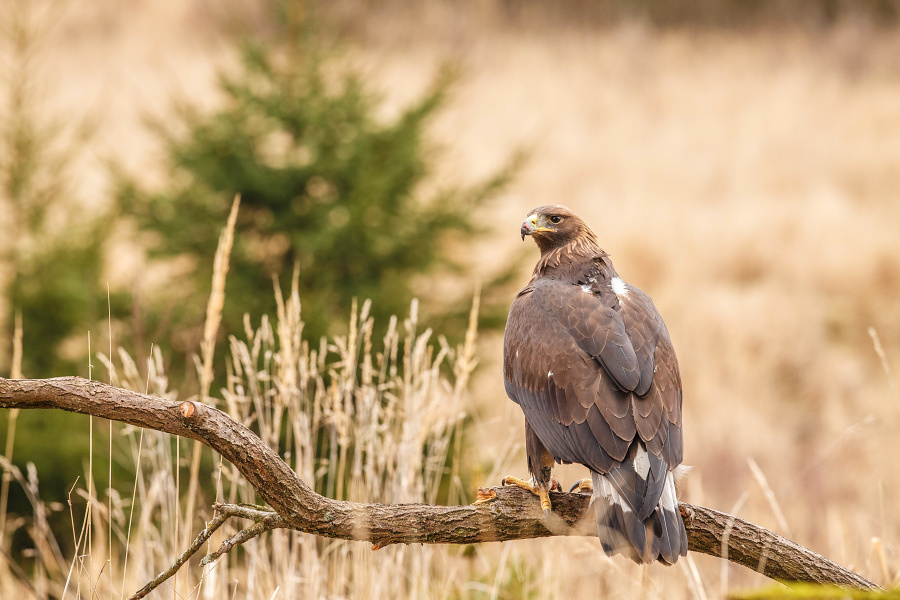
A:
(507, 514)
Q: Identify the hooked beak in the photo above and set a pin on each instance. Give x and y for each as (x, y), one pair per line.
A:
(529, 226)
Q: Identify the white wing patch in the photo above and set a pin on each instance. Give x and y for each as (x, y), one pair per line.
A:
(669, 500)
(619, 287)
(586, 288)
(642, 462)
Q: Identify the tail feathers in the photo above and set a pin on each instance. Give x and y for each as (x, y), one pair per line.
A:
(618, 529)
(661, 536)
(670, 535)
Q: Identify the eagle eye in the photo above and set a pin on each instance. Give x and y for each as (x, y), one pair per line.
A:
(555, 219)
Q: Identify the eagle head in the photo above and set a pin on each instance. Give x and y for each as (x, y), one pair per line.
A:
(553, 226)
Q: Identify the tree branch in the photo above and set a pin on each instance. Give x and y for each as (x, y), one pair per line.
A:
(264, 520)
(508, 514)
(201, 539)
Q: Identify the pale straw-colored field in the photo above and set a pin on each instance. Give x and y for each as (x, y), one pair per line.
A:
(748, 181)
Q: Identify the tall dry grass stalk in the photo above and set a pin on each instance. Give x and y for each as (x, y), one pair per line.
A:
(216, 300)
(207, 347)
(15, 373)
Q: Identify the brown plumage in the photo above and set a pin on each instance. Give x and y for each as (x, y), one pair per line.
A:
(589, 360)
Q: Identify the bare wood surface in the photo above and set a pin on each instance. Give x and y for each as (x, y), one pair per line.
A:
(508, 514)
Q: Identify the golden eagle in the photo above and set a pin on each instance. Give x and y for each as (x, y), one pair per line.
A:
(589, 360)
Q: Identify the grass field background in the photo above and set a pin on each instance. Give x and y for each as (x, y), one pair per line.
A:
(748, 180)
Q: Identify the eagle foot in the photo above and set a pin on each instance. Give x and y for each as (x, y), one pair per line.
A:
(583, 486)
(540, 492)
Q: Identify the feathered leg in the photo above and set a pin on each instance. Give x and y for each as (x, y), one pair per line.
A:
(540, 464)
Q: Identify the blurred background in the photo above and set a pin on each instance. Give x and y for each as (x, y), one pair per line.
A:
(739, 161)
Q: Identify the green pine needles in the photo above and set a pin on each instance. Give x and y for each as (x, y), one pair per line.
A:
(325, 185)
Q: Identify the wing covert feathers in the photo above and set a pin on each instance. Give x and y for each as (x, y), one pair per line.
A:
(596, 329)
(557, 370)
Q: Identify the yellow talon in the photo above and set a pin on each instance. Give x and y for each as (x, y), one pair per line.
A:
(544, 495)
(585, 485)
(538, 491)
(525, 485)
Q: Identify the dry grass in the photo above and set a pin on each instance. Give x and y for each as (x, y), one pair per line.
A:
(361, 419)
(749, 182)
